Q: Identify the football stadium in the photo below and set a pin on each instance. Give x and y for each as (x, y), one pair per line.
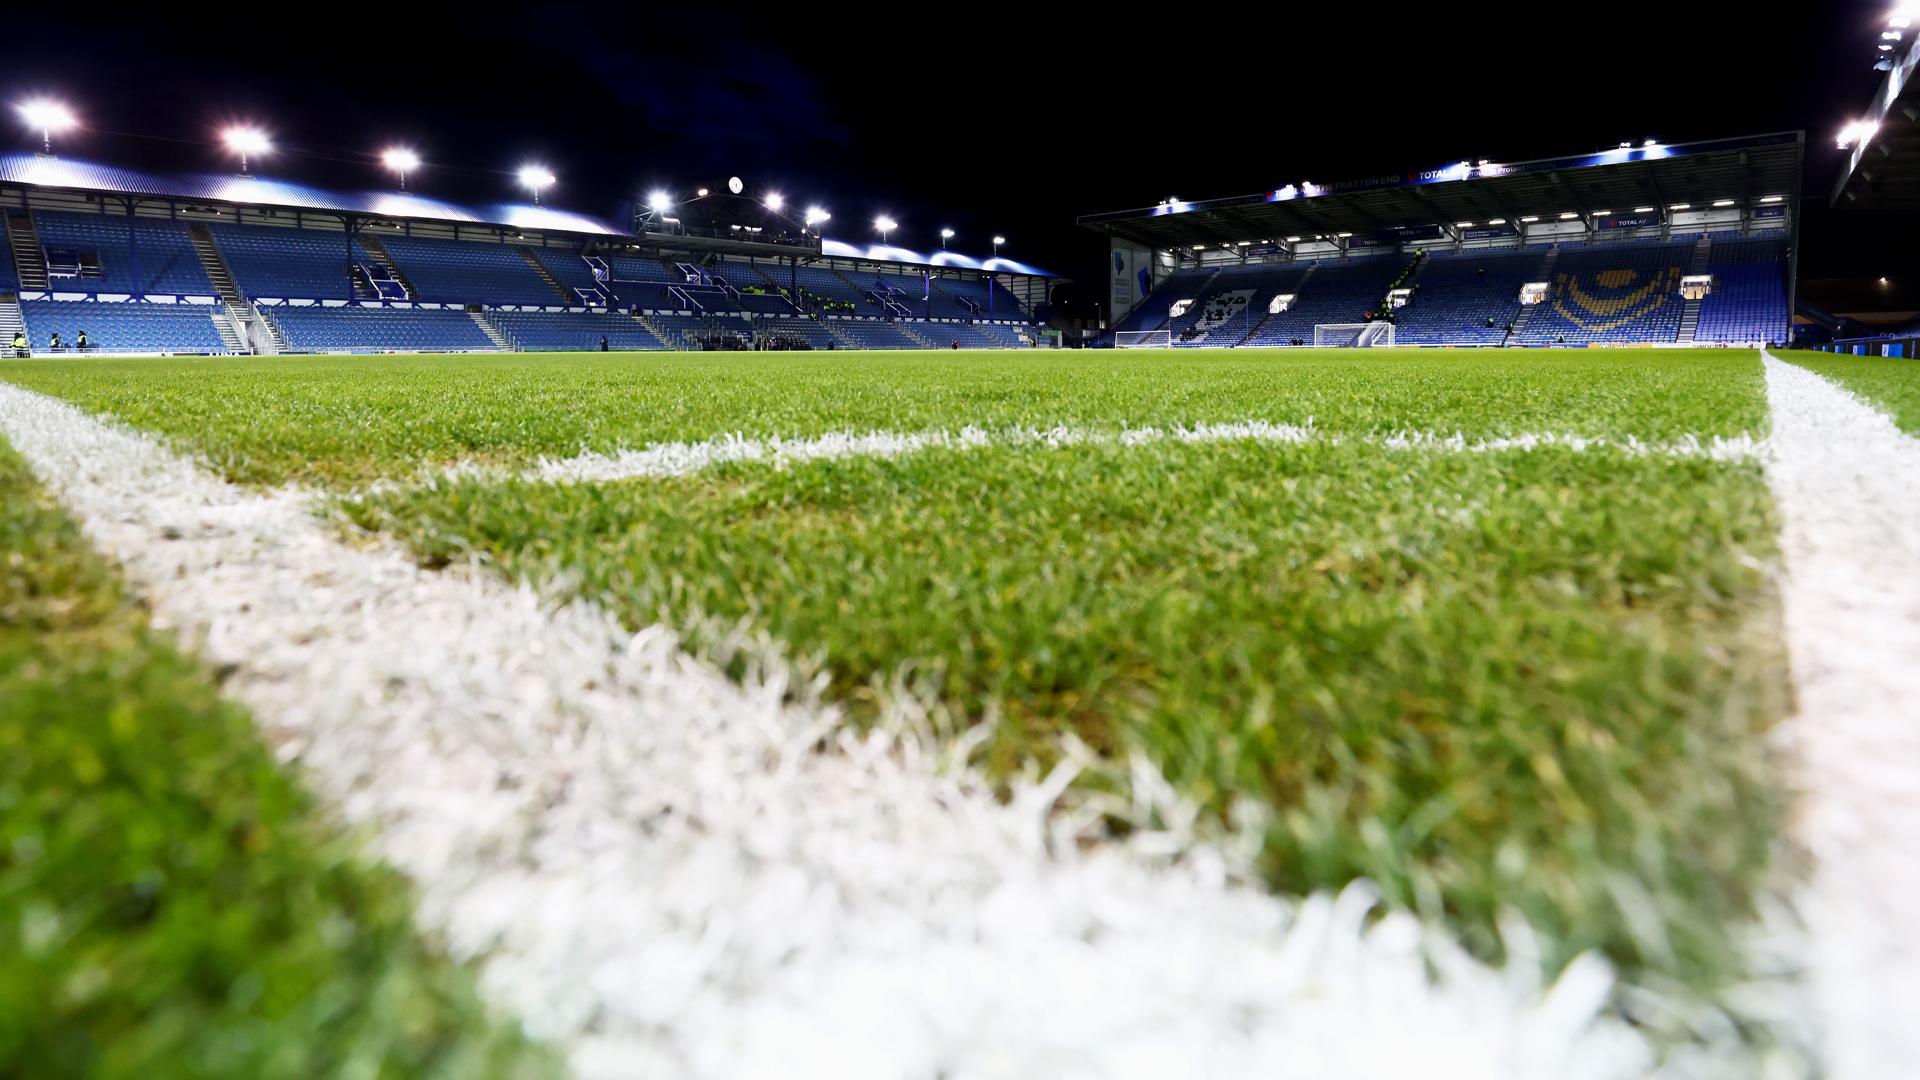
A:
(1456, 621)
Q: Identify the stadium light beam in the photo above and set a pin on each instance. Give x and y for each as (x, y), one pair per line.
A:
(885, 225)
(402, 161)
(533, 177)
(945, 235)
(246, 140)
(1858, 131)
(47, 117)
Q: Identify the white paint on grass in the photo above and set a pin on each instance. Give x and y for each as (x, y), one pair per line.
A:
(680, 459)
(669, 874)
(1848, 485)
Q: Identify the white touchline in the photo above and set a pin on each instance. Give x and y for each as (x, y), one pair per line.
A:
(680, 459)
(1847, 481)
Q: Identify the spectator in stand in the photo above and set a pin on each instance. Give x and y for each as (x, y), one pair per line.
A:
(54, 344)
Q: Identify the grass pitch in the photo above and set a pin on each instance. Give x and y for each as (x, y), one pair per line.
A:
(352, 419)
(1517, 678)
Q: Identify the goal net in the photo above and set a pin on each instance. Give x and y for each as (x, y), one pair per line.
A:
(1143, 339)
(1353, 335)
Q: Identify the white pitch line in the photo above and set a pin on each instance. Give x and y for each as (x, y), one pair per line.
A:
(680, 459)
(666, 873)
(1847, 481)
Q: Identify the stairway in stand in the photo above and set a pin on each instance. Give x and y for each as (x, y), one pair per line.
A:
(1298, 289)
(29, 259)
(377, 251)
(922, 333)
(1690, 314)
(11, 323)
(559, 289)
(494, 334)
(235, 329)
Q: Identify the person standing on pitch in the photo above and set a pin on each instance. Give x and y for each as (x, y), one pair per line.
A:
(81, 341)
(20, 344)
(603, 343)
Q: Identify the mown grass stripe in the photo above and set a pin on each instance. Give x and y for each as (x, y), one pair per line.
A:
(667, 871)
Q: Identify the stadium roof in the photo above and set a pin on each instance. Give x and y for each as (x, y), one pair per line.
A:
(1884, 169)
(1700, 173)
(40, 171)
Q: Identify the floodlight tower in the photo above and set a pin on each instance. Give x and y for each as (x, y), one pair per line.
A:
(246, 140)
(47, 117)
(997, 241)
(945, 235)
(885, 225)
(816, 215)
(533, 177)
(402, 161)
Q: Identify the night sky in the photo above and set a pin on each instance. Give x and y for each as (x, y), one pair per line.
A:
(983, 118)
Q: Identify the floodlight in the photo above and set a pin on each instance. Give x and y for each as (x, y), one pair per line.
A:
(1900, 21)
(1626, 146)
(244, 141)
(1569, 216)
(1497, 221)
(815, 215)
(1246, 243)
(1650, 142)
(48, 117)
(1884, 47)
(946, 232)
(1463, 224)
(999, 239)
(885, 225)
(1293, 239)
(1529, 219)
(1723, 202)
(1858, 131)
(1890, 35)
(1601, 213)
(533, 177)
(402, 161)
(774, 201)
(1346, 234)
(1199, 247)
(1772, 198)
(701, 192)
(660, 201)
(1680, 206)
(1643, 209)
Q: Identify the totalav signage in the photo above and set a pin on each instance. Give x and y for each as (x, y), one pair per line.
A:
(1628, 221)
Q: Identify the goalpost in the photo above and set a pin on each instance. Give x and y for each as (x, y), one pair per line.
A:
(1143, 339)
(1353, 335)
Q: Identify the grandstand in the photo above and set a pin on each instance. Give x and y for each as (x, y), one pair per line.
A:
(219, 265)
(1652, 245)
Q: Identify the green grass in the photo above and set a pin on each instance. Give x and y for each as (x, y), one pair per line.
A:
(171, 904)
(1534, 679)
(1891, 383)
(350, 420)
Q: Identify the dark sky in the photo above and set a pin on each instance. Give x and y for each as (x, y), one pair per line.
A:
(980, 117)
